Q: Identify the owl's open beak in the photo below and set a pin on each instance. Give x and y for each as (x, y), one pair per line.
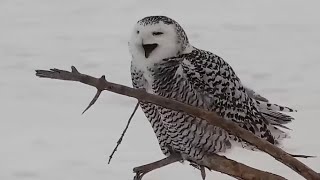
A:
(148, 48)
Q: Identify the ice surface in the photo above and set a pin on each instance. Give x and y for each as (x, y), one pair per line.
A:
(272, 45)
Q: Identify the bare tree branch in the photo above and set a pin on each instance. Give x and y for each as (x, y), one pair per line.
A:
(123, 133)
(213, 162)
(238, 170)
(210, 117)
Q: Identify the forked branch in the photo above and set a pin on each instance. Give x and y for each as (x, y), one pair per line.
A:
(213, 162)
(210, 117)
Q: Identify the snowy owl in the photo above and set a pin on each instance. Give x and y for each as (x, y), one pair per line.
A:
(166, 64)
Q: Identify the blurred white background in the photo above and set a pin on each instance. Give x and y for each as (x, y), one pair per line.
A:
(272, 45)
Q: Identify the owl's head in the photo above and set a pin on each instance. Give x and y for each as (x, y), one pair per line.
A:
(157, 37)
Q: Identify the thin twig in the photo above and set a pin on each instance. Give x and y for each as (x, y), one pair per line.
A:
(123, 133)
(302, 156)
(211, 117)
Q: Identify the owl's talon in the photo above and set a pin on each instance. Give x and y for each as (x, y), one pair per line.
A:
(139, 175)
(203, 172)
(142, 170)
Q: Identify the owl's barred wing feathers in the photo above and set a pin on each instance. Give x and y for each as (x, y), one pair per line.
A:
(216, 80)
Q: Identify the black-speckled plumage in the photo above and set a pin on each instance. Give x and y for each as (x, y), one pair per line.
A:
(203, 79)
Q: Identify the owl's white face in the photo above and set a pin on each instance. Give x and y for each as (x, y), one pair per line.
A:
(151, 43)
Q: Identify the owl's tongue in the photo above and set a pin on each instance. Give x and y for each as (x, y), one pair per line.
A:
(148, 48)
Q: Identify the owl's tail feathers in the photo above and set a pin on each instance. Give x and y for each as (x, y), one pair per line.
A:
(272, 107)
(276, 118)
(270, 112)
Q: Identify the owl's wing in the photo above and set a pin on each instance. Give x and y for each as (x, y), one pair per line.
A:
(215, 78)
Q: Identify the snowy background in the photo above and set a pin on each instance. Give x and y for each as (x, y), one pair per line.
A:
(273, 45)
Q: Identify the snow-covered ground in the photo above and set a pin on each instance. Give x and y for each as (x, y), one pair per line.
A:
(273, 45)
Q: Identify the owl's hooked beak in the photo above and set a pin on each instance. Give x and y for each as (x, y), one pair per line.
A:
(148, 48)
